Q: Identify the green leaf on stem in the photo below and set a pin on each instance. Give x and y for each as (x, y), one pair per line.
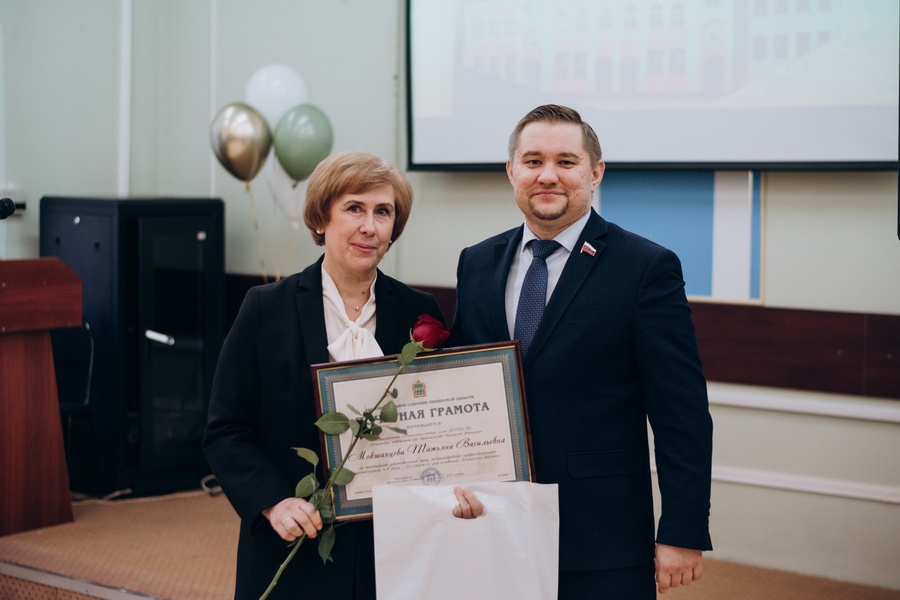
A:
(326, 543)
(319, 499)
(371, 434)
(306, 486)
(327, 515)
(342, 477)
(389, 412)
(353, 409)
(399, 430)
(333, 423)
(355, 425)
(408, 353)
(308, 455)
(393, 393)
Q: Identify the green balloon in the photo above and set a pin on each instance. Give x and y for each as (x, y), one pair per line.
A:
(303, 138)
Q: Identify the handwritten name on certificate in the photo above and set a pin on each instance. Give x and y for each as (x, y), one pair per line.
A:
(458, 430)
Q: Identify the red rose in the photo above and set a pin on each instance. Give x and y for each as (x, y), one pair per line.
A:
(429, 332)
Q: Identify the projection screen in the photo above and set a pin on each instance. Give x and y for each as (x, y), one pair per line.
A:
(767, 84)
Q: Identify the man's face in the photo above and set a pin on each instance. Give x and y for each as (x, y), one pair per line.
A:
(552, 176)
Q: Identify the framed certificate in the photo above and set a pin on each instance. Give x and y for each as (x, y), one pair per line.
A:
(463, 410)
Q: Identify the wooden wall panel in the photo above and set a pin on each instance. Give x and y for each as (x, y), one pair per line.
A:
(881, 365)
(781, 348)
(836, 352)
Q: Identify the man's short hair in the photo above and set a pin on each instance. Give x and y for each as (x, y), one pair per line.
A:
(554, 113)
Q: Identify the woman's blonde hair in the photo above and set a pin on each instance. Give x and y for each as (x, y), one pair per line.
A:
(353, 173)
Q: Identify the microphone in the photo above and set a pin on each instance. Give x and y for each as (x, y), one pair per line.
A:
(7, 207)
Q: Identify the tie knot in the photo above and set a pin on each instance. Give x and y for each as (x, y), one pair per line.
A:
(543, 248)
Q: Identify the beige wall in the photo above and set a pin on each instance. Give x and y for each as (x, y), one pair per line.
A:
(830, 239)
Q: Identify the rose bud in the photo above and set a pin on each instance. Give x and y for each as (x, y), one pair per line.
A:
(429, 332)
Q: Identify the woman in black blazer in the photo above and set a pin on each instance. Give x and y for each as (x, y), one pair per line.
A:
(339, 308)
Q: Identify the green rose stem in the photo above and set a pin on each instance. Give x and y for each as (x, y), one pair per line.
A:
(363, 427)
(286, 562)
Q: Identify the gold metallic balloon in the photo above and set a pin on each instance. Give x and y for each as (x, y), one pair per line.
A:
(241, 140)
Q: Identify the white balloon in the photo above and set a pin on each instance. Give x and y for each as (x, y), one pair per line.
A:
(290, 195)
(274, 89)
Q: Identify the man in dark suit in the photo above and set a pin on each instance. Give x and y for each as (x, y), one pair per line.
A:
(614, 347)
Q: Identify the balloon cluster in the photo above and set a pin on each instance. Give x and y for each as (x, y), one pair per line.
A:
(242, 133)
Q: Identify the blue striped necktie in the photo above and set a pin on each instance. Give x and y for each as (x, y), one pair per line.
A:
(533, 296)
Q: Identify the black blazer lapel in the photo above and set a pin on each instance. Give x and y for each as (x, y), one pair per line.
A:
(387, 317)
(504, 252)
(311, 313)
(577, 268)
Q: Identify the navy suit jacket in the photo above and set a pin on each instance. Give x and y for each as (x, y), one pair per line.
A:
(262, 406)
(616, 346)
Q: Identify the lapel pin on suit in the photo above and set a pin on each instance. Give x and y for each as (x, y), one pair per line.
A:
(588, 249)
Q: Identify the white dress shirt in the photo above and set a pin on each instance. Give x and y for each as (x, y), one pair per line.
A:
(555, 264)
(348, 339)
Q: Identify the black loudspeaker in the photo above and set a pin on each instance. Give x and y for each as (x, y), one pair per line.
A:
(152, 274)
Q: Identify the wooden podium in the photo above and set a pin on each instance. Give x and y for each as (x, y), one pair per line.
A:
(35, 297)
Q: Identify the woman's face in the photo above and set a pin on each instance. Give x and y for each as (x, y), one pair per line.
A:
(358, 232)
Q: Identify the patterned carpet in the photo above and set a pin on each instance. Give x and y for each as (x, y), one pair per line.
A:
(182, 547)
